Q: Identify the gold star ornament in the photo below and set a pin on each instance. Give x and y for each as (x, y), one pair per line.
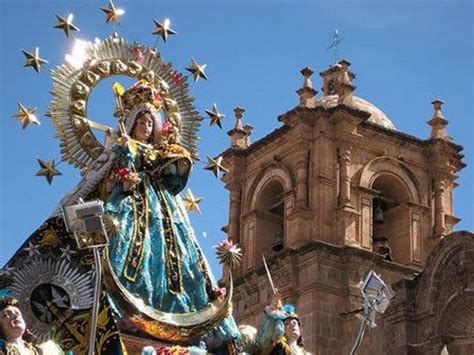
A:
(33, 60)
(113, 13)
(26, 116)
(163, 29)
(191, 203)
(215, 165)
(48, 170)
(66, 24)
(197, 70)
(215, 116)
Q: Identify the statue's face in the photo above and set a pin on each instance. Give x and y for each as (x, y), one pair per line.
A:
(12, 323)
(143, 127)
(292, 329)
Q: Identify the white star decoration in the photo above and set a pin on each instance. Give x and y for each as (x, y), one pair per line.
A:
(32, 249)
(67, 252)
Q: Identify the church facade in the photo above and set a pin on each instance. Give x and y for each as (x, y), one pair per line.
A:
(337, 191)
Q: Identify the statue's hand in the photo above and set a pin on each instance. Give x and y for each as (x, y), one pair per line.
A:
(123, 139)
(276, 300)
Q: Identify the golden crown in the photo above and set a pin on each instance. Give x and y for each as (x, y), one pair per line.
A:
(140, 93)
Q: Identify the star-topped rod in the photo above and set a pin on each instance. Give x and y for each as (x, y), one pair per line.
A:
(33, 60)
(215, 116)
(48, 170)
(65, 24)
(191, 203)
(215, 165)
(163, 29)
(113, 14)
(26, 116)
(197, 70)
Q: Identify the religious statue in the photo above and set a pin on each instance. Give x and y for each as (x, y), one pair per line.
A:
(154, 252)
(13, 333)
(281, 330)
(157, 282)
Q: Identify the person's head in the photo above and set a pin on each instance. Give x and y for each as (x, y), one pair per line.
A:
(143, 126)
(12, 325)
(292, 329)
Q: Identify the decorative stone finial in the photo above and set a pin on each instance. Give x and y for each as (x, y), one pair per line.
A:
(345, 63)
(239, 113)
(307, 92)
(345, 88)
(240, 134)
(438, 123)
(248, 131)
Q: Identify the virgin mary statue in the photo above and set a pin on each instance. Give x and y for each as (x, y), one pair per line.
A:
(154, 260)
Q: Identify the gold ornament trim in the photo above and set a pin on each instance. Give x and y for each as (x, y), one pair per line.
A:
(72, 88)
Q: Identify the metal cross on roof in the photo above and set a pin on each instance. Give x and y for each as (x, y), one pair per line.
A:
(336, 40)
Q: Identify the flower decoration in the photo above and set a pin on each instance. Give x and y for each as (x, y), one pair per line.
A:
(229, 253)
(150, 155)
(172, 350)
(142, 92)
(125, 175)
(123, 172)
(167, 129)
(220, 292)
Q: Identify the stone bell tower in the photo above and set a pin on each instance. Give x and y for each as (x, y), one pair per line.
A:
(335, 191)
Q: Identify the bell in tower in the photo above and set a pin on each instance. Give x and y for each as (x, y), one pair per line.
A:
(378, 212)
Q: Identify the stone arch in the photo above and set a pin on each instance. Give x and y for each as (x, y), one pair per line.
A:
(445, 294)
(274, 171)
(266, 204)
(396, 168)
(454, 251)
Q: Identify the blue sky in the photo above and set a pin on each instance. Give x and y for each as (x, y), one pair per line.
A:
(405, 54)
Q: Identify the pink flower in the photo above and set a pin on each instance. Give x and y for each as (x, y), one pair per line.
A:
(220, 292)
(167, 129)
(229, 252)
(228, 245)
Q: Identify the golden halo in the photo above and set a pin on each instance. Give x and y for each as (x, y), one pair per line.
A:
(73, 86)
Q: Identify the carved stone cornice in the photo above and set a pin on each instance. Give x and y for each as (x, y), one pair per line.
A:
(452, 220)
(371, 192)
(418, 208)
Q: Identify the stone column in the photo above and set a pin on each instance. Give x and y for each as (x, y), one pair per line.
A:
(439, 228)
(344, 160)
(234, 212)
(302, 183)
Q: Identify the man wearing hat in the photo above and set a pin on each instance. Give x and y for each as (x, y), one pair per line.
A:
(281, 330)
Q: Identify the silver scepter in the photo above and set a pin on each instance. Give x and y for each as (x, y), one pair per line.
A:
(268, 274)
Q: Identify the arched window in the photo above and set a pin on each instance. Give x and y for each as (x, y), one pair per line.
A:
(393, 211)
(270, 222)
(391, 218)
